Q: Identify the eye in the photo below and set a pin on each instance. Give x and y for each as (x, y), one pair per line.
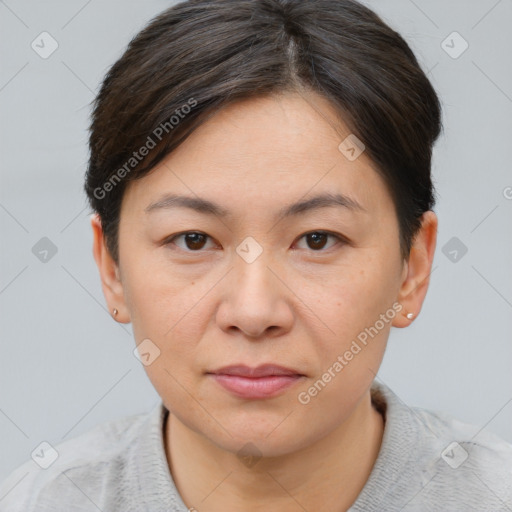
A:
(317, 240)
(194, 240)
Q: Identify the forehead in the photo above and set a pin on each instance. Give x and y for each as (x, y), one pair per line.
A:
(266, 151)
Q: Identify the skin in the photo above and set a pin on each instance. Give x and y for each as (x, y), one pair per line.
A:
(298, 304)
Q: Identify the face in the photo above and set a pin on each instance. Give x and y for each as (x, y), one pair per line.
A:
(249, 284)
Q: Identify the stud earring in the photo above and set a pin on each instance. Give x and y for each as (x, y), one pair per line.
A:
(115, 311)
(410, 315)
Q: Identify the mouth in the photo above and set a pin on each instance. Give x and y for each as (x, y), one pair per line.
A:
(265, 381)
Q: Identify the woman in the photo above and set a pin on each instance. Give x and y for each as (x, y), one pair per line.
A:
(260, 176)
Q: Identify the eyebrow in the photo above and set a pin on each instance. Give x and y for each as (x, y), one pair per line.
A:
(205, 206)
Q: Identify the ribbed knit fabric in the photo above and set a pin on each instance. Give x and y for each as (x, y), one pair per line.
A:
(121, 466)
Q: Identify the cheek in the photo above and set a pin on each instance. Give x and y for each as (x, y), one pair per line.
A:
(171, 317)
(158, 296)
(171, 311)
(355, 294)
(355, 306)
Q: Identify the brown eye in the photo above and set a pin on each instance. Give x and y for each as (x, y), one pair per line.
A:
(194, 241)
(317, 240)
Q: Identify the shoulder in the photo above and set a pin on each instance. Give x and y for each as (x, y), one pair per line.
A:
(430, 461)
(463, 466)
(75, 470)
(481, 446)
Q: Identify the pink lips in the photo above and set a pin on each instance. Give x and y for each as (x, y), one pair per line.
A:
(265, 381)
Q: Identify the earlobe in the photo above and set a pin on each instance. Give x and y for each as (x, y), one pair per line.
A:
(414, 286)
(109, 274)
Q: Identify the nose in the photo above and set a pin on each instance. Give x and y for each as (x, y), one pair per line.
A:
(255, 300)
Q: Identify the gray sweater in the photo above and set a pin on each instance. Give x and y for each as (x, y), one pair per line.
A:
(427, 462)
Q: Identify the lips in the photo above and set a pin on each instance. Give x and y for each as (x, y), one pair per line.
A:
(264, 370)
(265, 381)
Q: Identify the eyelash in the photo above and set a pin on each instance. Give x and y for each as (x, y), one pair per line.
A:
(339, 238)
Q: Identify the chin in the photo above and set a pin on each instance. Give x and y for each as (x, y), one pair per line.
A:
(255, 445)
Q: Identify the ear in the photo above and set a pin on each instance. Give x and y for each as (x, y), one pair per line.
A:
(417, 270)
(109, 273)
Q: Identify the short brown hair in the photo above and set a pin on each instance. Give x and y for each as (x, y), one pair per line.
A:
(199, 55)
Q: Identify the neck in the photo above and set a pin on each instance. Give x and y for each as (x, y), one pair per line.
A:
(330, 472)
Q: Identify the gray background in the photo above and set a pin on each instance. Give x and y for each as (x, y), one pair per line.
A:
(66, 366)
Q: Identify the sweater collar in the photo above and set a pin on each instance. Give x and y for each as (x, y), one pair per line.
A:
(396, 457)
(397, 462)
